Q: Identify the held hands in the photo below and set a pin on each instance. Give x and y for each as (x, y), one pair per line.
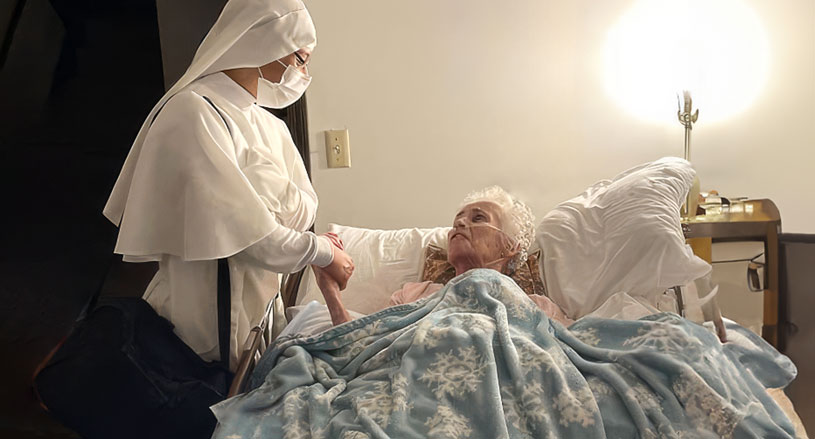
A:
(333, 278)
(331, 293)
(341, 268)
(335, 275)
(335, 239)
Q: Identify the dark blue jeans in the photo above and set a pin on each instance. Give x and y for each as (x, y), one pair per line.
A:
(123, 373)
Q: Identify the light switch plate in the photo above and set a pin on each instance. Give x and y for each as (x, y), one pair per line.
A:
(337, 149)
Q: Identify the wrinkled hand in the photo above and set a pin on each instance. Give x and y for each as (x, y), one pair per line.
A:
(331, 292)
(340, 269)
(328, 286)
(721, 331)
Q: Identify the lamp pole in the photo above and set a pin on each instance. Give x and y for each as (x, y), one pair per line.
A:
(687, 117)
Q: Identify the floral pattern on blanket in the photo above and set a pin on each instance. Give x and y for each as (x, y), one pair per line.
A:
(480, 360)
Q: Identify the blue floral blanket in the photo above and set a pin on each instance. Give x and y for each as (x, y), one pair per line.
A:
(480, 360)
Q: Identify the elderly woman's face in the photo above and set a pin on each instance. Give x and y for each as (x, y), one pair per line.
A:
(471, 242)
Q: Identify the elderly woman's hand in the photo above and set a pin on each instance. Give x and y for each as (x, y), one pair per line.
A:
(341, 267)
(331, 293)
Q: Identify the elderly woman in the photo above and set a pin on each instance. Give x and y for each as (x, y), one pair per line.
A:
(491, 229)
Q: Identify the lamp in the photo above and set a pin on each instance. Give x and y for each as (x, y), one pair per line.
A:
(718, 49)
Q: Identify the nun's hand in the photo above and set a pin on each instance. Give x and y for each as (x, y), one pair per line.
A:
(341, 268)
(335, 239)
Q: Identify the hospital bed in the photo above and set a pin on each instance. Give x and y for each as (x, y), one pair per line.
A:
(299, 289)
(297, 285)
(407, 247)
(385, 260)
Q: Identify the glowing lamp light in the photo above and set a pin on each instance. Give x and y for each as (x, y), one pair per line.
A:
(717, 49)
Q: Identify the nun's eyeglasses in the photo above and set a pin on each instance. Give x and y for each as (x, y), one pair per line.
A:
(300, 61)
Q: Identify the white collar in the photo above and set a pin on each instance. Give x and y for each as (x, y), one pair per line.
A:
(230, 90)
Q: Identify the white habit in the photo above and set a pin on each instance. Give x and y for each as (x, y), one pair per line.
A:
(223, 180)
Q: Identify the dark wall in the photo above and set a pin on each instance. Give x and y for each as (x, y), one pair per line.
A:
(182, 26)
(78, 79)
(798, 292)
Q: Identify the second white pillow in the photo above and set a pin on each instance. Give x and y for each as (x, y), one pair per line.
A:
(620, 235)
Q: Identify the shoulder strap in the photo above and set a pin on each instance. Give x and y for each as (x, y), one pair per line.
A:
(224, 288)
(219, 113)
(224, 284)
(224, 310)
(209, 101)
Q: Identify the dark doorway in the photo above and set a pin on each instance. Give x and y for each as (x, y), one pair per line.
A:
(76, 80)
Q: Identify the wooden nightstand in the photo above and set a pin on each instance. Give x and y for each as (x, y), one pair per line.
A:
(750, 220)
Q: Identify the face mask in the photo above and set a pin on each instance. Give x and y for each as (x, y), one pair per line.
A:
(291, 87)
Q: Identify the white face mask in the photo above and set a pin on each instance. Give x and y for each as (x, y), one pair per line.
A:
(291, 87)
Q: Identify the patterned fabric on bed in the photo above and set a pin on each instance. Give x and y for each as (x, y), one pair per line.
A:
(438, 270)
(480, 360)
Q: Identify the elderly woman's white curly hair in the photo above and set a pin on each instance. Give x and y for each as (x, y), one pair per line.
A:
(517, 217)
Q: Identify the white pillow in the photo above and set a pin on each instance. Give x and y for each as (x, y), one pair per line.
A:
(622, 235)
(384, 260)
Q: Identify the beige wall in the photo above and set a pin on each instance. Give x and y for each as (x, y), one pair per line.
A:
(442, 97)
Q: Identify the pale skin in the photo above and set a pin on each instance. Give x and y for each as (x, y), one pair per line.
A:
(472, 243)
(331, 287)
(336, 274)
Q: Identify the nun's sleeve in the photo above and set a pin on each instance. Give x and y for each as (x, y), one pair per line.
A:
(281, 181)
(288, 251)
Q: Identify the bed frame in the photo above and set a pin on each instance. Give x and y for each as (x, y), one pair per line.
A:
(252, 347)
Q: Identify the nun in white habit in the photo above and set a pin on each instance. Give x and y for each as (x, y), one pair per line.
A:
(213, 175)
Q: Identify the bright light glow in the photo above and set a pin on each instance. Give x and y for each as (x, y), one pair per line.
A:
(716, 49)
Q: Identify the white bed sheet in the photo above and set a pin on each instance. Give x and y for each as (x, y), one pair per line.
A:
(309, 319)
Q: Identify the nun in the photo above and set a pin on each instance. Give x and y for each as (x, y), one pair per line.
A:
(213, 175)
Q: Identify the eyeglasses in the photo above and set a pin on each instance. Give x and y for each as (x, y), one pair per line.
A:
(301, 60)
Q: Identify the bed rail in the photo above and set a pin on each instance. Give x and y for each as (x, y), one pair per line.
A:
(290, 285)
(252, 348)
(246, 362)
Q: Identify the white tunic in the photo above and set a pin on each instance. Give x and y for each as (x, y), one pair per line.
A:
(219, 183)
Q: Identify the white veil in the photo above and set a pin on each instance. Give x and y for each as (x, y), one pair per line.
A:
(248, 33)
